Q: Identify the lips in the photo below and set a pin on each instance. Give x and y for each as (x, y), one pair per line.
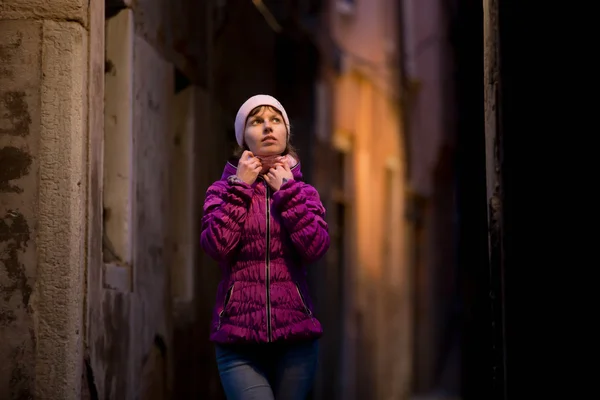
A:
(269, 138)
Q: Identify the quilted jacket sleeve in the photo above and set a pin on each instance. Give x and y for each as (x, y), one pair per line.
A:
(303, 216)
(225, 211)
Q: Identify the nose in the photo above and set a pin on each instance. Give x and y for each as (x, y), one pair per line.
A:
(267, 125)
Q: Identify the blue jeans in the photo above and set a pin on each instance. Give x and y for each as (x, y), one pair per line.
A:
(267, 371)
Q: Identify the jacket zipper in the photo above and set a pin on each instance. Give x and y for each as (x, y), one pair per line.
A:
(267, 264)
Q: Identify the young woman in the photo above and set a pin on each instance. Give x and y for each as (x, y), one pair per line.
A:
(263, 225)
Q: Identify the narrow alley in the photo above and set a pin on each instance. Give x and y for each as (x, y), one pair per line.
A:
(116, 116)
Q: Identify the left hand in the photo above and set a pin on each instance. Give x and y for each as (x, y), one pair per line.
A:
(276, 176)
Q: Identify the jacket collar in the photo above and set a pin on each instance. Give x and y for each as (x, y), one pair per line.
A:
(231, 169)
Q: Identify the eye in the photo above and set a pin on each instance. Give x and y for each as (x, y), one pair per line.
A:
(276, 120)
(256, 121)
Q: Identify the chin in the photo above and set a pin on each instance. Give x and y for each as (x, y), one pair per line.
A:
(269, 151)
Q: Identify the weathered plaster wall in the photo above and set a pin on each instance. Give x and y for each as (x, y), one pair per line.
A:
(129, 322)
(19, 106)
(43, 104)
(94, 294)
(153, 93)
(176, 29)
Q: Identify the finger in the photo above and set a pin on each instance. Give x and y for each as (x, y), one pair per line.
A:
(286, 167)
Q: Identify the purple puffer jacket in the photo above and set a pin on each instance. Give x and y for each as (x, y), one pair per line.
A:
(263, 240)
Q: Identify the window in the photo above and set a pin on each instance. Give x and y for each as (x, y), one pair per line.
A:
(393, 270)
(323, 110)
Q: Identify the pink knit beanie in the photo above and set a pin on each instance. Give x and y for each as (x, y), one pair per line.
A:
(251, 104)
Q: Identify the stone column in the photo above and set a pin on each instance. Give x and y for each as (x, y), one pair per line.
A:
(43, 158)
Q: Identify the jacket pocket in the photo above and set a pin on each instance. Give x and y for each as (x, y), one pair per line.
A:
(306, 309)
(225, 304)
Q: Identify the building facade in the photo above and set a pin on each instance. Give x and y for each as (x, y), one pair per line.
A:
(362, 287)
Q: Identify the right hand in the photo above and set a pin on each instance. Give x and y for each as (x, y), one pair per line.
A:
(248, 167)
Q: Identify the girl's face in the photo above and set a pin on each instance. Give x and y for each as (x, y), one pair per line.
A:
(266, 133)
